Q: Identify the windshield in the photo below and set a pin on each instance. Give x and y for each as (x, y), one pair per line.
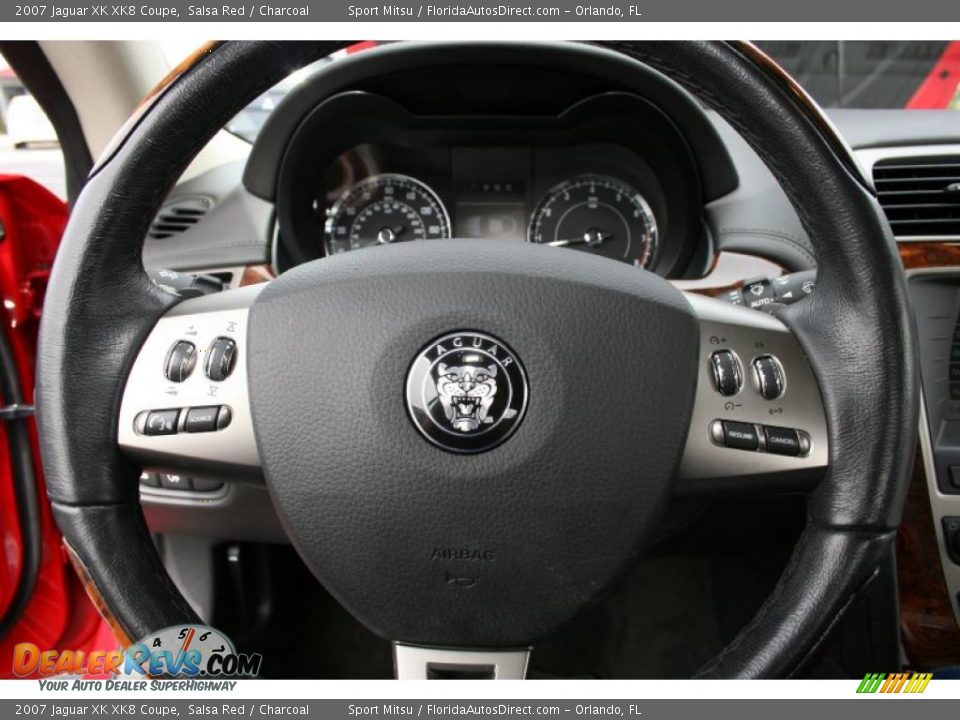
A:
(918, 75)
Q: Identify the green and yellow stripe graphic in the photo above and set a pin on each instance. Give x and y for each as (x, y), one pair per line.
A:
(894, 682)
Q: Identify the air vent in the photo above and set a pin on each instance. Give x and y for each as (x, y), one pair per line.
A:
(920, 196)
(179, 216)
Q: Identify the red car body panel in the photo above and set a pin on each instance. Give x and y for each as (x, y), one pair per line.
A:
(940, 85)
(59, 614)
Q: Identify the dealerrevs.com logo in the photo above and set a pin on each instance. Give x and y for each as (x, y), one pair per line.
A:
(184, 651)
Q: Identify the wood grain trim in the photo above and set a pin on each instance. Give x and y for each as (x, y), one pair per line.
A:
(96, 598)
(183, 66)
(256, 274)
(730, 271)
(932, 254)
(928, 628)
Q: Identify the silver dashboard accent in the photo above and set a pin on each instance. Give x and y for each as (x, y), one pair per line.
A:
(415, 662)
(227, 453)
(941, 504)
(751, 334)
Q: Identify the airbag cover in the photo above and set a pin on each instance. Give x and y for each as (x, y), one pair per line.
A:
(491, 548)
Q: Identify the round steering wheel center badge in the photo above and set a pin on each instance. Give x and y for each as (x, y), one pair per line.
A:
(466, 392)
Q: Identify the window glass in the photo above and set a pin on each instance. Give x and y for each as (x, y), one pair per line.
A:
(916, 75)
(28, 142)
(250, 120)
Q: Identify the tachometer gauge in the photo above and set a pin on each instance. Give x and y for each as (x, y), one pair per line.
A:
(384, 209)
(597, 214)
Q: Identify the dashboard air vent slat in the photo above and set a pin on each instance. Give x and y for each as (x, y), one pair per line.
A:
(179, 216)
(920, 196)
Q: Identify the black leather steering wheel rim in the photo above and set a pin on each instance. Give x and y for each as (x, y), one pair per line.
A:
(856, 330)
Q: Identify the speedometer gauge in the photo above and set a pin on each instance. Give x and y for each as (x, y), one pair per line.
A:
(384, 209)
(597, 214)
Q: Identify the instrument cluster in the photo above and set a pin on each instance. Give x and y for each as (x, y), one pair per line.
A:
(597, 210)
(609, 175)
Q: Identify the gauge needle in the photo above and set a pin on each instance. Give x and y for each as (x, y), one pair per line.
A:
(591, 238)
(388, 235)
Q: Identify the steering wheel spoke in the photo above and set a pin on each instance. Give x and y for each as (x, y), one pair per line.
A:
(758, 420)
(417, 662)
(185, 406)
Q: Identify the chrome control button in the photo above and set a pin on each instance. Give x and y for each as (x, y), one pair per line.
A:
(768, 379)
(725, 367)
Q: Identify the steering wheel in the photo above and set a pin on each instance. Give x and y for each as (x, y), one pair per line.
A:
(468, 442)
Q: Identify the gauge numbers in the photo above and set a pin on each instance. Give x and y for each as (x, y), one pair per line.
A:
(384, 209)
(596, 214)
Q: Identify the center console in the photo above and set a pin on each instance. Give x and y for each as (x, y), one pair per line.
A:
(935, 293)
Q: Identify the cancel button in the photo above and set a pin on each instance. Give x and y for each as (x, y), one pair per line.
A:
(782, 441)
